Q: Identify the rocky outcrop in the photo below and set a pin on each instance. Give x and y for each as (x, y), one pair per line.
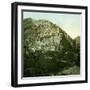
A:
(48, 49)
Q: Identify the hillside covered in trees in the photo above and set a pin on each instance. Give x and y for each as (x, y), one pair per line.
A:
(49, 50)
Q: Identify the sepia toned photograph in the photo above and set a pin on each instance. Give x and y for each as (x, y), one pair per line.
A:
(51, 43)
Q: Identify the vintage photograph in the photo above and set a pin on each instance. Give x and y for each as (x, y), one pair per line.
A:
(51, 45)
(48, 44)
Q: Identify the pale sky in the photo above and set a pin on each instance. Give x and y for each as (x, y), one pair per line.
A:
(70, 23)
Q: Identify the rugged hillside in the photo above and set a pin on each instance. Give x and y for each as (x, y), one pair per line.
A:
(77, 51)
(48, 50)
(77, 40)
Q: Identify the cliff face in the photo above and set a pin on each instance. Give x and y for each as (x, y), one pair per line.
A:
(46, 36)
(48, 50)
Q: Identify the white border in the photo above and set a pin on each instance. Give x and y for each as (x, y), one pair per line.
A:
(52, 78)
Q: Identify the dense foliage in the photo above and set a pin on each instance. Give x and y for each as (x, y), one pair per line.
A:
(48, 50)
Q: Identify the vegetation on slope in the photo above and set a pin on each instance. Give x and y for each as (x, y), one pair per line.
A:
(48, 50)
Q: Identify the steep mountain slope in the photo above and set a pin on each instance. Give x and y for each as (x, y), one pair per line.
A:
(77, 50)
(77, 40)
(48, 50)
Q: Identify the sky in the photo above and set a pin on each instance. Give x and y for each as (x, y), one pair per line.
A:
(70, 23)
